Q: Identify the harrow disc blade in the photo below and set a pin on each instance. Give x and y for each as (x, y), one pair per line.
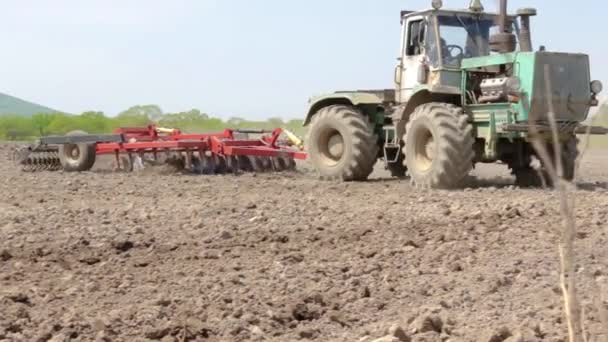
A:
(232, 164)
(257, 164)
(220, 164)
(290, 164)
(217, 164)
(245, 164)
(279, 164)
(267, 163)
(203, 165)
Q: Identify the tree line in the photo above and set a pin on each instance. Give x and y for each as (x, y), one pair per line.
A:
(18, 127)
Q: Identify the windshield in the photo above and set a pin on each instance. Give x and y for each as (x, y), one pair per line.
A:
(462, 36)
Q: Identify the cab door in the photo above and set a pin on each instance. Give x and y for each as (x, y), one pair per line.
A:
(412, 57)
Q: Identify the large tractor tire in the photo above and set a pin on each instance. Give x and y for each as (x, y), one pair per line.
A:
(530, 177)
(537, 176)
(569, 155)
(439, 146)
(398, 168)
(77, 157)
(341, 144)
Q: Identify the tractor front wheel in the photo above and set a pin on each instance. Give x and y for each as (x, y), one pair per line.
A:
(341, 144)
(438, 146)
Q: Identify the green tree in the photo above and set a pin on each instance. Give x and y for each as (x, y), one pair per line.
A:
(94, 122)
(152, 112)
(41, 122)
(62, 123)
(191, 119)
(16, 127)
(276, 122)
(235, 122)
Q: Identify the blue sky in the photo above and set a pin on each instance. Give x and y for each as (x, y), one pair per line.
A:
(247, 58)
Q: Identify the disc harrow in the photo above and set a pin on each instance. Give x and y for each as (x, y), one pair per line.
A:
(229, 152)
(36, 159)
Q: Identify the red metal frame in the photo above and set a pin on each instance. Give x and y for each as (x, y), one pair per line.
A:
(148, 139)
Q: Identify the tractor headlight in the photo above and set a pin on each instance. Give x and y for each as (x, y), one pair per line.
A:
(596, 87)
(437, 4)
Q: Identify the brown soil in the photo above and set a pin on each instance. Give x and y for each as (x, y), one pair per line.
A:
(284, 257)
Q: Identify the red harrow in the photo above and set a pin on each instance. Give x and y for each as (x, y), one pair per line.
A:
(228, 152)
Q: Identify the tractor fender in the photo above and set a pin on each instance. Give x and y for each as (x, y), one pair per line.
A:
(346, 98)
(422, 95)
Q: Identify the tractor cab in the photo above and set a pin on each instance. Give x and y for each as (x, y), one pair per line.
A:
(436, 41)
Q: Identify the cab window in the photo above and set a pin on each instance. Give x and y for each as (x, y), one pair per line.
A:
(415, 40)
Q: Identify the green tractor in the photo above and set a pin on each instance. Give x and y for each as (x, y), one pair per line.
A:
(468, 89)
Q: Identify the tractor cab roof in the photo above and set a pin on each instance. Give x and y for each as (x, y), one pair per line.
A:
(467, 12)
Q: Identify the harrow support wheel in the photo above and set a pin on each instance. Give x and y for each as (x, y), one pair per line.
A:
(77, 157)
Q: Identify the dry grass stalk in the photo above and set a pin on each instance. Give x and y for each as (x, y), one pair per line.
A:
(554, 169)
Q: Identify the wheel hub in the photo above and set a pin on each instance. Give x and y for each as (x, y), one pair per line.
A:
(425, 150)
(331, 147)
(74, 152)
(335, 146)
(430, 148)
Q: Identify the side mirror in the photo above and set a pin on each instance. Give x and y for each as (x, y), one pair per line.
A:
(422, 73)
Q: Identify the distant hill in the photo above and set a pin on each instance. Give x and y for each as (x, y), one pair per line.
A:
(12, 105)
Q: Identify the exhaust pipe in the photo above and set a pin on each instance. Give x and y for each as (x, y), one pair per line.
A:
(502, 17)
(504, 41)
(525, 35)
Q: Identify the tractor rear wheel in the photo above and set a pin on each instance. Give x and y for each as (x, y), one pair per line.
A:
(438, 146)
(569, 154)
(529, 175)
(341, 144)
(398, 168)
(77, 157)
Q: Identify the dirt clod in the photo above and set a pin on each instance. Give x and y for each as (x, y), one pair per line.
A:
(122, 245)
(5, 255)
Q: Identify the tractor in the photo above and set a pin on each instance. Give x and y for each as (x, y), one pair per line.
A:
(469, 88)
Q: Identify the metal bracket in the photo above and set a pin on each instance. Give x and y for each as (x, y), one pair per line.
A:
(563, 128)
(490, 147)
(82, 139)
(391, 141)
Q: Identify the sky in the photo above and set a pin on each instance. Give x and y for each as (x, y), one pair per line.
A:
(247, 58)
